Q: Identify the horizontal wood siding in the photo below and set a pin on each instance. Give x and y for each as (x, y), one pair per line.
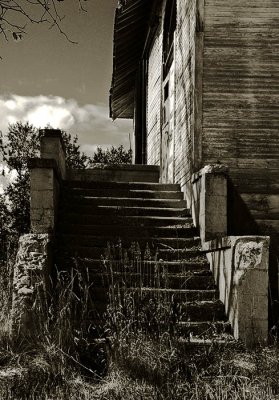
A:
(240, 99)
(154, 99)
(184, 78)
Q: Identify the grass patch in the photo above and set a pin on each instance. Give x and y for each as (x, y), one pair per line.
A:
(143, 357)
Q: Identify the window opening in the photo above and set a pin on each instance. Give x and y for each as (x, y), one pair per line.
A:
(168, 39)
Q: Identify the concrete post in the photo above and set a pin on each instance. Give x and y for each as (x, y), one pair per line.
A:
(44, 194)
(52, 147)
(45, 174)
(210, 201)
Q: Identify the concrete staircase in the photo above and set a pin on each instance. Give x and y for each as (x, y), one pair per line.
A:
(153, 253)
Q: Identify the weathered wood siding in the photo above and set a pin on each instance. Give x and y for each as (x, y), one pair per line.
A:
(154, 90)
(184, 78)
(240, 99)
(184, 92)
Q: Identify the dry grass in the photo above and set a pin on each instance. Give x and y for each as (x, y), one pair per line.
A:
(142, 362)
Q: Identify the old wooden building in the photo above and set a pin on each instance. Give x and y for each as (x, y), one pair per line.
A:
(200, 78)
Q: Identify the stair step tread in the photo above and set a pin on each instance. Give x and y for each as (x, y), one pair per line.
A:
(117, 241)
(123, 201)
(190, 329)
(104, 251)
(185, 309)
(125, 211)
(224, 339)
(125, 185)
(214, 305)
(116, 193)
(124, 220)
(179, 291)
(96, 263)
(129, 230)
(192, 295)
(188, 274)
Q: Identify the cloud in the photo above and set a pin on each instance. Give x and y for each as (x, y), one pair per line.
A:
(90, 122)
(6, 177)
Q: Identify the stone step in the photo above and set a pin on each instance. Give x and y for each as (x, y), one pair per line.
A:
(199, 344)
(121, 201)
(185, 231)
(97, 265)
(201, 310)
(159, 294)
(121, 185)
(169, 279)
(97, 252)
(188, 280)
(197, 311)
(126, 243)
(205, 329)
(191, 329)
(116, 173)
(119, 193)
(135, 221)
(180, 254)
(123, 211)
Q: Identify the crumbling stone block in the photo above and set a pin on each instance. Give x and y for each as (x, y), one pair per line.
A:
(30, 285)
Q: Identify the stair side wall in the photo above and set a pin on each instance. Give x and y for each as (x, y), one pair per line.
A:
(240, 269)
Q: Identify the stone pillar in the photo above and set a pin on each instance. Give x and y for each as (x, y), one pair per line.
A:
(45, 175)
(52, 147)
(33, 263)
(209, 206)
(44, 194)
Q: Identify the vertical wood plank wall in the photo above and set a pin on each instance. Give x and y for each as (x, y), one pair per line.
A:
(241, 99)
(184, 77)
(154, 99)
(184, 96)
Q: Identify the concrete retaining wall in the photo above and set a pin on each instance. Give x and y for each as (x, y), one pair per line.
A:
(240, 264)
(240, 269)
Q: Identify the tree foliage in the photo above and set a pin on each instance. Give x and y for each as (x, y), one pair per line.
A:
(16, 15)
(113, 155)
(21, 143)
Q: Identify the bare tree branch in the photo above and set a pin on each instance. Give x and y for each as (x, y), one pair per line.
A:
(16, 15)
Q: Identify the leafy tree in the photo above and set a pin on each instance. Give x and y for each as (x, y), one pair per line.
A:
(4, 228)
(74, 157)
(22, 142)
(114, 155)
